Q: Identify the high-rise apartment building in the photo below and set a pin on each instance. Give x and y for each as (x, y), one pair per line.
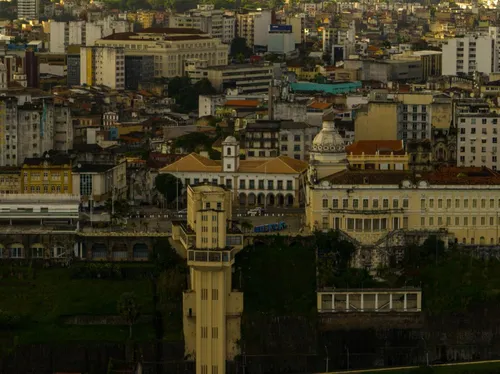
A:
(205, 18)
(28, 9)
(469, 54)
(254, 27)
(211, 309)
(64, 34)
(102, 66)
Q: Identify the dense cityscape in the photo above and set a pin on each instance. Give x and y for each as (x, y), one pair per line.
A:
(249, 186)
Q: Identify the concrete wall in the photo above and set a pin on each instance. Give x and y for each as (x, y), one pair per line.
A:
(377, 122)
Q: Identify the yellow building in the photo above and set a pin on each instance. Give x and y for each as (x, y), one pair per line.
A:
(211, 309)
(378, 155)
(145, 18)
(47, 175)
(382, 209)
(10, 180)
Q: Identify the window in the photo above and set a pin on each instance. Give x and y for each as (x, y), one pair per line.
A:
(440, 221)
(422, 203)
(483, 221)
(492, 221)
(431, 221)
(270, 185)
(448, 203)
(335, 203)
(375, 203)
(431, 203)
(345, 203)
(440, 203)
(289, 185)
(355, 203)
(405, 222)
(448, 221)
(492, 203)
(261, 184)
(296, 138)
(242, 184)
(466, 221)
(395, 204)
(466, 203)
(296, 148)
(229, 183)
(474, 203)
(228, 151)
(457, 221)
(325, 223)
(422, 221)
(385, 203)
(474, 221)
(325, 203)
(365, 203)
(483, 203)
(405, 203)
(86, 184)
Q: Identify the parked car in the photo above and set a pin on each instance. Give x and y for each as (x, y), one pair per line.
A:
(256, 212)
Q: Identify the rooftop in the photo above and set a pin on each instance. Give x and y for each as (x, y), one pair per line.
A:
(371, 147)
(442, 176)
(197, 163)
(165, 32)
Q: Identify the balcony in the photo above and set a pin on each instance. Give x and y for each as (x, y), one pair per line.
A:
(211, 258)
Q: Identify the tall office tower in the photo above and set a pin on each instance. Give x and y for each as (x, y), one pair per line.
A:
(211, 309)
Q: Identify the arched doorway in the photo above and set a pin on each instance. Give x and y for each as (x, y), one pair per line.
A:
(482, 240)
(99, 251)
(261, 199)
(140, 252)
(243, 199)
(270, 200)
(37, 250)
(280, 200)
(251, 199)
(289, 200)
(120, 251)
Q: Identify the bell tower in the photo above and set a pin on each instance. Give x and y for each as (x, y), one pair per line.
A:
(230, 155)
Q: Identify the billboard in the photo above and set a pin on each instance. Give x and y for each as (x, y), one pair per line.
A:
(280, 28)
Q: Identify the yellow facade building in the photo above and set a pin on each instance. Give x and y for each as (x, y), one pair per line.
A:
(211, 309)
(10, 180)
(381, 209)
(47, 175)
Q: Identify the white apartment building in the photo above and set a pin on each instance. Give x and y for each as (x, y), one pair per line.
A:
(102, 66)
(63, 34)
(171, 48)
(28, 9)
(254, 27)
(469, 54)
(478, 136)
(212, 22)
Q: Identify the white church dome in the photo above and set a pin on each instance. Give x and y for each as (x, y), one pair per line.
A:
(230, 139)
(328, 140)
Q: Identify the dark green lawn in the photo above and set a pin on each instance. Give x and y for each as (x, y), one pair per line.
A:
(52, 294)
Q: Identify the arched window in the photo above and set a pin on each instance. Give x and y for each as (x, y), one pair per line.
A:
(471, 240)
(229, 151)
(464, 241)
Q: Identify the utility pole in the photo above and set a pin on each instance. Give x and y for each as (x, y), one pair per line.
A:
(327, 359)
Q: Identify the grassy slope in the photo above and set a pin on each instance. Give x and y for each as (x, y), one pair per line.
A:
(52, 294)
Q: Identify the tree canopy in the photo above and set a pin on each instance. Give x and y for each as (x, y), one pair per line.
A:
(186, 94)
(128, 306)
(239, 47)
(169, 186)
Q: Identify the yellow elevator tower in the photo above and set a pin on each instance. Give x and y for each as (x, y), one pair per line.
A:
(211, 309)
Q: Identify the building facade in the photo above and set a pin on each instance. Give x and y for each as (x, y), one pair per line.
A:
(170, 47)
(272, 182)
(138, 69)
(246, 78)
(211, 309)
(28, 9)
(469, 54)
(102, 66)
(376, 209)
(44, 175)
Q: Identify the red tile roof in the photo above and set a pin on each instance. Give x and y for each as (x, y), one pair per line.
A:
(371, 147)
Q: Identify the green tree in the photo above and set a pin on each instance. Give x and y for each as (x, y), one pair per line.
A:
(169, 186)
(239, 46)
(129, 308)
(204, 87)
